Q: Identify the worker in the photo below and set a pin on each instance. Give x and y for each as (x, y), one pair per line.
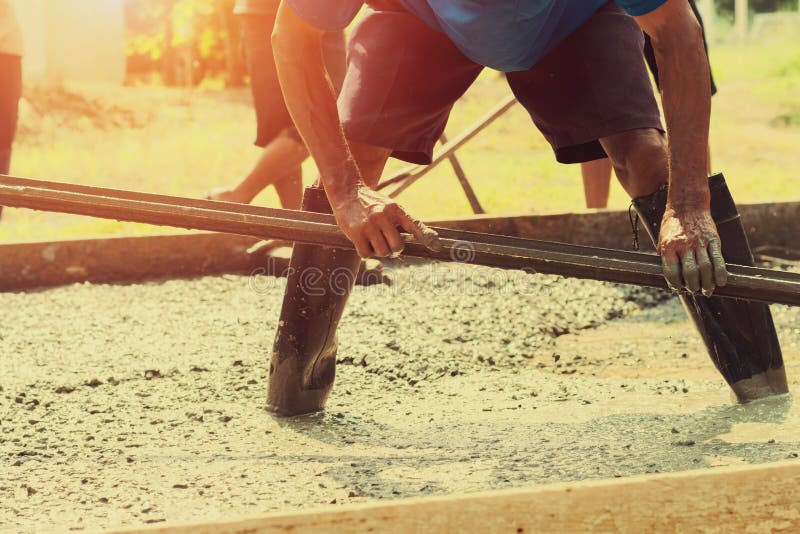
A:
(11, 49)
(576, 66)
(596, 174)
(280, 162)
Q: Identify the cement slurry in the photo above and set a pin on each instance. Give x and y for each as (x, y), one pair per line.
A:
(143, 404)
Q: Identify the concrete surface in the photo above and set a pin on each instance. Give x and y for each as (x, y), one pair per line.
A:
(143, 404)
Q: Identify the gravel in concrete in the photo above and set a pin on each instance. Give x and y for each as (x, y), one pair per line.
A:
(142, 404)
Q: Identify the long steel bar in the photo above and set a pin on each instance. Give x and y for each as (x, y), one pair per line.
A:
(635, 268)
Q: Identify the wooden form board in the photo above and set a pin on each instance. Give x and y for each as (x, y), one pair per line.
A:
(126, 259)
(134, 259)
(764, 498)
(775, 224)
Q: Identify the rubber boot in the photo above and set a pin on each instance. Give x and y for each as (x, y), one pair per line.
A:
(740, 335)
(303, 363)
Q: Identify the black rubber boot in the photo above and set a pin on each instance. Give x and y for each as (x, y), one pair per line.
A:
(740, 335)
(304, 355)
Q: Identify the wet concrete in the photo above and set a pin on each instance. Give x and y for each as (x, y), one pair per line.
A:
(135, 405)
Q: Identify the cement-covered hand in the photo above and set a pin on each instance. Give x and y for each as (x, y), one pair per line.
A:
(691, 251)
(372, 221)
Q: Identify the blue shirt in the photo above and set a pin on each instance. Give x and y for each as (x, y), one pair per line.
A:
(507, 35)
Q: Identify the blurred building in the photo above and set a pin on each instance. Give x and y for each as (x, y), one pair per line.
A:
(73, 39)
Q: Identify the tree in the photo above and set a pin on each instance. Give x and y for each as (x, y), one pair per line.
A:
(183, 40)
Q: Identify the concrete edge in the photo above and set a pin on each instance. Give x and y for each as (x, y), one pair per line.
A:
(735, 499)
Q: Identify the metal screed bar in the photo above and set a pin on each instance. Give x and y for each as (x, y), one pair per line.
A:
(750, 283)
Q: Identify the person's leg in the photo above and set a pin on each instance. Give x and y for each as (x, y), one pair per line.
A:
(640, 159)
(597, 174)
(284, 150)
(393, 58)
(279, 161)
(290, 189)
(596, 182)
(740, 336)
(272, 117)
(402, 82)
(303, 365)
(593, 84)
(592, 96)
(5, 161)
(10, 94)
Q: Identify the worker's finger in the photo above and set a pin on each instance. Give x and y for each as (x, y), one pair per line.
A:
(672, 270)
(376, 240)
(706, 272)
(392, 235)
(690, 271)
(362, 246)
(427, 237)
(720, 269)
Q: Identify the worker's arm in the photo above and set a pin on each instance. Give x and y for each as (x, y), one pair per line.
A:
(689, 244)
(368, 218)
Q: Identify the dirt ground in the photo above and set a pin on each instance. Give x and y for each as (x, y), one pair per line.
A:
(143, 404)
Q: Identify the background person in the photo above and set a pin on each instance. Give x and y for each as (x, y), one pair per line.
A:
(11, 49)
(280, 163)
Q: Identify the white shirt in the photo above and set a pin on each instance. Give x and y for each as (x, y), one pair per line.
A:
(10, 32)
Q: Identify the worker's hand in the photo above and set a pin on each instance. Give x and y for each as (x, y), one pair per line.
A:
(372, 221)
(691, 251)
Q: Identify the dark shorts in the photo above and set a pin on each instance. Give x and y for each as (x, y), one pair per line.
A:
(272, 117)
(10, 93)
(650, 55)
(403, 79)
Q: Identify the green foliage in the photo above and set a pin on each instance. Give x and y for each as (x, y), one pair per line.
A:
(790, 67)
(726, 7)
(184, 40)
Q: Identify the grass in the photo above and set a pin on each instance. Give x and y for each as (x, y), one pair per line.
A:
(183, 142)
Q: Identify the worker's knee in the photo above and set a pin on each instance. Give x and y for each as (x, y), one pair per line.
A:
(640, 159)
